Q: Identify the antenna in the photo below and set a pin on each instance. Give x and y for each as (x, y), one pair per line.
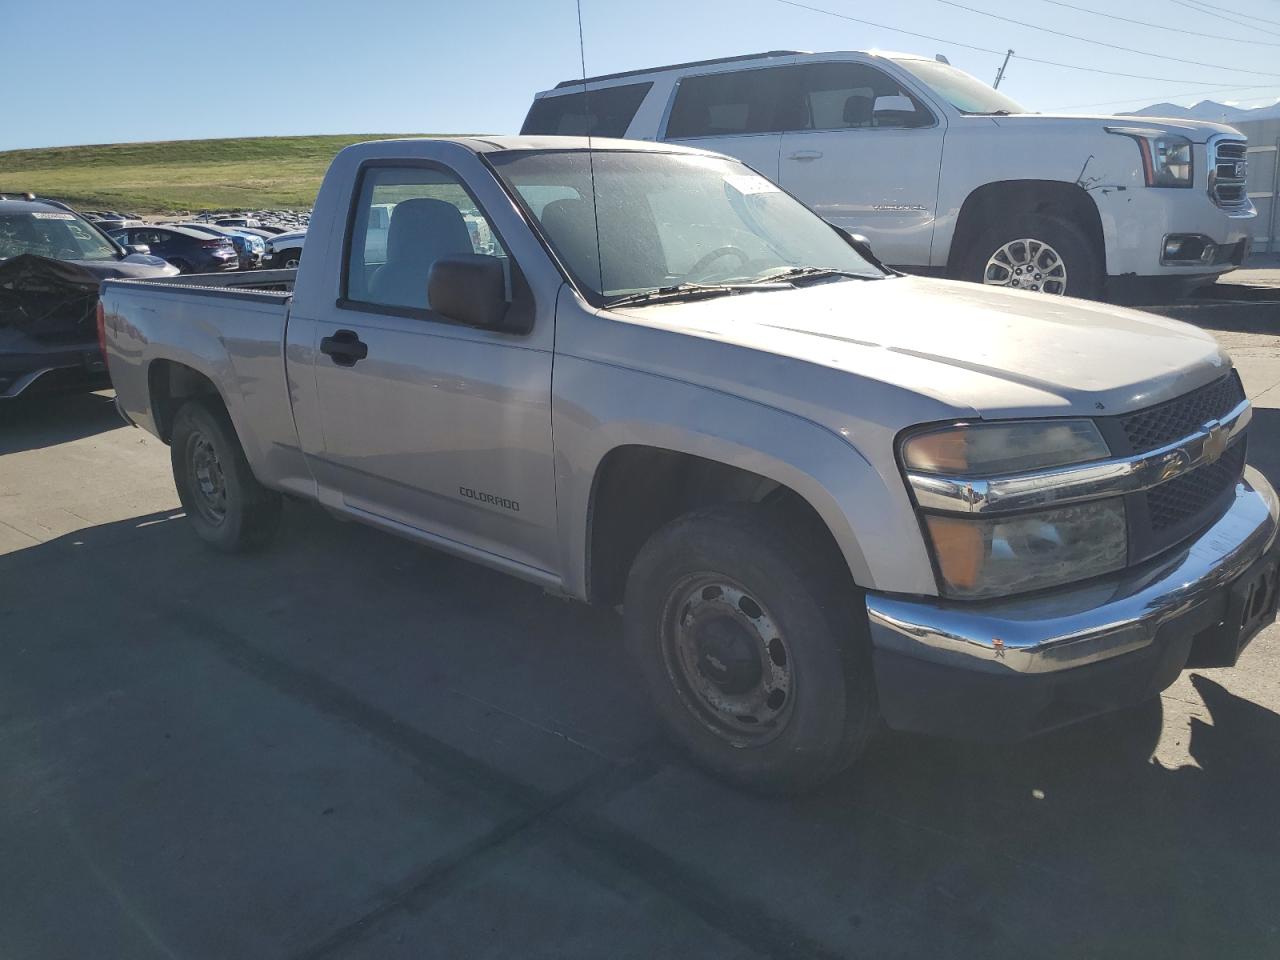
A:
(591, 163)
(1000, 72)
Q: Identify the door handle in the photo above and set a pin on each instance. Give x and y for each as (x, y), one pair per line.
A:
(344, 348)
(806, 155)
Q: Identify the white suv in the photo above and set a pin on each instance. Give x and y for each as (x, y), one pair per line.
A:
(943, 174)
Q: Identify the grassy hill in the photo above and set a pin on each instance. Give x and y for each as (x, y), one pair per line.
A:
(245, 173)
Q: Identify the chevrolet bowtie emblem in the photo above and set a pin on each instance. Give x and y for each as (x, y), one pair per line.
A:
(1215, 441)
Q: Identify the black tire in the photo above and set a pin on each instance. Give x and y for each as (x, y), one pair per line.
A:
(207, 458)
(290, 259)
(182, 265)
(768, 584)
(1078, 254)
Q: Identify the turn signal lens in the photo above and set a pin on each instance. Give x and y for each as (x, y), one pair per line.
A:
(988, 558)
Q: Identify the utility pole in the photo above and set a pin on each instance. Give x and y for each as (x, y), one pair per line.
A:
(1000, 72)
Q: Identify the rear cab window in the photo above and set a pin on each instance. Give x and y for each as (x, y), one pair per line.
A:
(606, 112)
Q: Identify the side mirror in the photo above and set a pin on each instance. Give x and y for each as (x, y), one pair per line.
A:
(861, 244)
(137, 248)
(469, 288)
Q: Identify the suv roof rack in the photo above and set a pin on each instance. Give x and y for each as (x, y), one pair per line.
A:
(679, 66)
(29, 197)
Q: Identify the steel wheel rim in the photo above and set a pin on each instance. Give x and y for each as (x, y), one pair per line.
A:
(727, 659)
(1027, 264)
(209, 486)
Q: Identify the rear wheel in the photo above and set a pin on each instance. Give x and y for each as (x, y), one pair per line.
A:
(1039, 253)
(290, 259)
(224, 501)
(182, 265)
(751, 651)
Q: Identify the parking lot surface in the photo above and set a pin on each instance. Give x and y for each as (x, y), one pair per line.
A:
(349, 746)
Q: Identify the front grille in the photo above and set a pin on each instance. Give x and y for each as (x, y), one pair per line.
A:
(1174, 503)
(1228, 173)
(1163, 424)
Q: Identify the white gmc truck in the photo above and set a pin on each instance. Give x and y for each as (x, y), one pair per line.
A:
(824, 495)
(943, 174)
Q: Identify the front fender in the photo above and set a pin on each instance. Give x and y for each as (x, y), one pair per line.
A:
(599, 407)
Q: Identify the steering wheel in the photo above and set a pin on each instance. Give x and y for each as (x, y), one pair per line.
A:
(707, 259)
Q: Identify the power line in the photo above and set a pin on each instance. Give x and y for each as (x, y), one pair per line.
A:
(1161, 26)
(970, 46)
(1210, 8)
(1217, 15)
(1154, 96)
(1103, 43)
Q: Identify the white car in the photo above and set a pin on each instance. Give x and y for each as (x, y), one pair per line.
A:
(943, 174)
(285, 249)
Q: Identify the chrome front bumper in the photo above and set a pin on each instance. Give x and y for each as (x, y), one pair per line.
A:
(1082, 625)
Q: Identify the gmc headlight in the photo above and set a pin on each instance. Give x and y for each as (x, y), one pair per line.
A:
(1166, 158)
(980, 555)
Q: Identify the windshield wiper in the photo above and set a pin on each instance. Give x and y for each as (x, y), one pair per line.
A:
(692, 291)
(791, 274)
(986, 113)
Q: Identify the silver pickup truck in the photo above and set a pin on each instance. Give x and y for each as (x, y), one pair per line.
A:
(825, 496)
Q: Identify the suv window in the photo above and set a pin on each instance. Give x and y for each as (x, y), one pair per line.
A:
(601, 113)
(406, 219)
(843, 95)
(724, 104)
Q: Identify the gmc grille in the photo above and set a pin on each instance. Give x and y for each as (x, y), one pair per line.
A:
(1228, 171)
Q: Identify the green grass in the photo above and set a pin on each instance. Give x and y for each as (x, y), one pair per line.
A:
(246, 173)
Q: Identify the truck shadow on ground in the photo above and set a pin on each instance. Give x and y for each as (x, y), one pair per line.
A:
(1077, 843)
(1264, 443)
(30, 423)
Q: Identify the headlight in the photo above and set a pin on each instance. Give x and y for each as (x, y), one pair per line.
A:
(980, 557)
(1166, 158)
(994, 554)
(991, 449)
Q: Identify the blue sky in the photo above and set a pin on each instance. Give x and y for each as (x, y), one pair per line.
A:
(85, 71)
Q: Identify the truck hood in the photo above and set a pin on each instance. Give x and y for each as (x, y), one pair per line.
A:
(1197, 131)
(976, 349)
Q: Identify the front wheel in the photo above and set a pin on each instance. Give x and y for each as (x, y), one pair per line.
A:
(756, 663)
(1039, 253)
(230, 510)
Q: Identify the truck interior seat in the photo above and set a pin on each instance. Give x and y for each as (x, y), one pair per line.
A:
(422, 231)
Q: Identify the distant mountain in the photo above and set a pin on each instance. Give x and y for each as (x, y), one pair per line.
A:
(1209, 110)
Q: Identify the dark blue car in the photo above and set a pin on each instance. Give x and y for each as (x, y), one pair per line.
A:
(189, 251)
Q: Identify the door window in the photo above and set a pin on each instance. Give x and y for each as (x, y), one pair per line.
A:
(845, 95)
(601, 113)
(406, 219)
(730, 103)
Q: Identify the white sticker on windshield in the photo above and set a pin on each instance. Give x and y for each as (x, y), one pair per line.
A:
(53, 216)
(749, 186)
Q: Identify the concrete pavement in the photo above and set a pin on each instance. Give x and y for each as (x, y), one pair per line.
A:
(352, 747)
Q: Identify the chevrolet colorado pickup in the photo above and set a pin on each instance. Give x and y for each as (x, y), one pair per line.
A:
(943, 174)
(824, 495)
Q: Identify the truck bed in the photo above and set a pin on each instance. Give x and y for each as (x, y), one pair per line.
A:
(227, 328)
(254, 284)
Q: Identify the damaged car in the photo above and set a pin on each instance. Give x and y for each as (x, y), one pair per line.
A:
(51, 262)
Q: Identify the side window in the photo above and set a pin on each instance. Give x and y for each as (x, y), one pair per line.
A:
(606, 112)
(406, 219)
(724, 104)
(841, 96)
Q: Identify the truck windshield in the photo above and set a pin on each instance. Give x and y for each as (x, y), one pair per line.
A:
(963, 91)
(53, 234)
(669, 219)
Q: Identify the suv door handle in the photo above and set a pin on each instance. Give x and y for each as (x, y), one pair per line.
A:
(805, 155)
(344, 348)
